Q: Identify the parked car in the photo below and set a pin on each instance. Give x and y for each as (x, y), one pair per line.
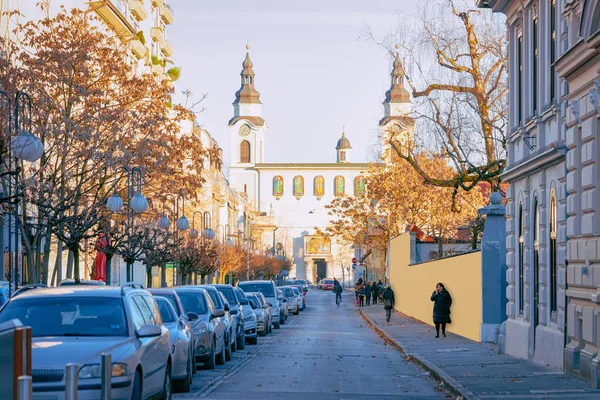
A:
(70, 282)
(269, 290)
(293, 304)
(209, 328)
(262, 312)
(250, 326)
(303, 283)
(3, 295)
(182, 345)
(327, 284)
(27, 288)
(78, 325)
(229, 320)
(235, 309)
(302, 296)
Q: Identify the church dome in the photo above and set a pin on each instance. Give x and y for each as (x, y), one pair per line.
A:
(343, 143)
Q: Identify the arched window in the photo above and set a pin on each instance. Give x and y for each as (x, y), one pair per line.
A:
(298, 186)
(552, 248)
(521, 261)
(278, 186)
(359, 186)
(340, 185)
(319, 186)
(245, 151)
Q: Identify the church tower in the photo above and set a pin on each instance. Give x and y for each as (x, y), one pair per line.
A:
(247, 131)
(343, 149)
(397, 125)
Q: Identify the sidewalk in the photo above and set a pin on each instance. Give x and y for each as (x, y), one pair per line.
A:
(474, 370)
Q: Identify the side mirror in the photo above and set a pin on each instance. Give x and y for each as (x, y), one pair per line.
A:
(285, 300)
(148, 331)
(270, 305)
(226, 307)
(218, 313)
(244, 302)
(193, 316)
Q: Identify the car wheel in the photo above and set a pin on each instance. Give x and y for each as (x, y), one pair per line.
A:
(228, 349)
(194, 364)
(167, 389)
(210, 362)
(185, 385)
(234, 345)
(263, 332)
(220, 359)
(277, 325)
(282, 320)
(241, 344)
(297, 311)
(136, 393)
(253, 340)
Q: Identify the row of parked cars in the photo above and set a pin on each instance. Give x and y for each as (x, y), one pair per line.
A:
(158, 338)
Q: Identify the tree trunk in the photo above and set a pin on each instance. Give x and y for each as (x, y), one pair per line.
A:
(75, 253)
(70, 265)
(46, 262)
(163, 275)
(109, 258)
(58, 263)
(148, 276)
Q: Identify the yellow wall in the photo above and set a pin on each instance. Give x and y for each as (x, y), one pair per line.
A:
(414, 284)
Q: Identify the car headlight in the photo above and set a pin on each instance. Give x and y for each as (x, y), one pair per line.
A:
(94, 371)
(249, 318)
(200, 328)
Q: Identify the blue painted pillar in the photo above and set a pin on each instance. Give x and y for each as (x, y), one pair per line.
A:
(493, 269)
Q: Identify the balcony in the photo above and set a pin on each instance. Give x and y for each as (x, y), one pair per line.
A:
(157, 33)
(138, 10)
(112, 14)
(158, 3)
(167, 15)
(138, 48)
(166, 48)
(158, 69)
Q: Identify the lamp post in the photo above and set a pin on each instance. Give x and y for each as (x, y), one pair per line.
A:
(137, 203)
(24, 146)
(182, 224)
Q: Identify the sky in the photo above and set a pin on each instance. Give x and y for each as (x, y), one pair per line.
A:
(315, 75)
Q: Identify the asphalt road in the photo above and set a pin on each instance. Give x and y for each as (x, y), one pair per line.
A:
(324, 353)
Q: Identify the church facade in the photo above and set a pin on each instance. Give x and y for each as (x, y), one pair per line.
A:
(295, 194)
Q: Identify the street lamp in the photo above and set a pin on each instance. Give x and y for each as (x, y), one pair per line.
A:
(182, 224)
(23, 147)
(137, 205)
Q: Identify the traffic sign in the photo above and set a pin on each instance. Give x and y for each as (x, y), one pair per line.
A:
(354, 266)
(354, 260)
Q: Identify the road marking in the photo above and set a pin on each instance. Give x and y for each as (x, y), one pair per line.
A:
(451, 350)
(557, 391)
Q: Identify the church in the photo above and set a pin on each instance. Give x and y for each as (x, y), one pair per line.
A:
(293, 196)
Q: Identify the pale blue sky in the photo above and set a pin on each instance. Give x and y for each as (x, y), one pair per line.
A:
(313, 72)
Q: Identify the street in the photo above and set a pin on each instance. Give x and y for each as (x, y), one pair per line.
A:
(324, 353)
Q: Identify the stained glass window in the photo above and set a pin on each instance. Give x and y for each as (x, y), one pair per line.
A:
(340, 185)
(278, 186)
(319, 186)
(359, 185)
(298, 186)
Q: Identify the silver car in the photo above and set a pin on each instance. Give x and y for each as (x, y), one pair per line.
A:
(262, 311)
(250, 325)
(79, 323)
(292, 304)
(182, 349)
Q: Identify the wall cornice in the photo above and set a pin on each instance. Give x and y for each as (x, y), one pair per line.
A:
(545, 158)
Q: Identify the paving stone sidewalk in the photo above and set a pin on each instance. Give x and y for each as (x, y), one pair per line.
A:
(475, 370)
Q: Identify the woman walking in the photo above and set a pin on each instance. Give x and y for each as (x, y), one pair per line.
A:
(441, 309)
(361, 295)
(375, 293)
(368, 293)
(388, 302)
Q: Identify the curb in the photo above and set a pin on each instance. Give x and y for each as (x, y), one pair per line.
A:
(436, 372)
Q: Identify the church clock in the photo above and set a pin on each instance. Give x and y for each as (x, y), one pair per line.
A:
(244, 130)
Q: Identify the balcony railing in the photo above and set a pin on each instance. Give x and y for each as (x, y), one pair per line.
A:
(114, 15)
(138, 10)
(158, 3)
(138, 48)
(166, 48)
(157, 33)
(166, 15)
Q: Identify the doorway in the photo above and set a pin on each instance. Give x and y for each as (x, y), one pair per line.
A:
(321, 269)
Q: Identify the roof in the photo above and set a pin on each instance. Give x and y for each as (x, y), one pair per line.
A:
(397, 92)
(336, 166)
(343, 143)
(256, 121)
(247, 94)
(74, 291)
(161, 291)
(403, 119)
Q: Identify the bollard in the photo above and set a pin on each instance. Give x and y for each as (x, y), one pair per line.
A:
(24, 390)
(106, 376)
(71, 374)
(21, 355)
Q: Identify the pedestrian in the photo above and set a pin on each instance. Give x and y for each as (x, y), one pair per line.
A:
(356, 287)
(441, 309)
(361, 295)
(389, 301)
(368, 293)
(375, 293)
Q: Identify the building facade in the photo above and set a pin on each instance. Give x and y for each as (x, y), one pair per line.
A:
(553, 224)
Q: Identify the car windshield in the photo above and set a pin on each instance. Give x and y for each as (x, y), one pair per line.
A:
(216, 299)
(229, 295)
(300, 282)
(68, 316)
(239, 294)
(193, 302)
(288, 292)
(254, 303)
(264, 288)
(166, 312)
(296, 291)
(328, 282)
(171, 298)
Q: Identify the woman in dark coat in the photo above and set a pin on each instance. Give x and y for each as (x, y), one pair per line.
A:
(374, 293)
(368, 293)
(441, 308)
(389, 301)
(361, 295)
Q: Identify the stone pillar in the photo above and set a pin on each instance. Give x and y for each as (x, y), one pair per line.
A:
(493, 269)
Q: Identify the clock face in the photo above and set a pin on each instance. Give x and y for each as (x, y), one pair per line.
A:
(244, 130)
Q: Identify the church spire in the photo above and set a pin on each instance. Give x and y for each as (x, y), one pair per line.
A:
(397, 92)
(247, 94)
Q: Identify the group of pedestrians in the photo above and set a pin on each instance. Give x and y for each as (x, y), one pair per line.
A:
(367, 292)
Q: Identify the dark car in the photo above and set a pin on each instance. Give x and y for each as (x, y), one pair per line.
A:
(235, 309)
(27, 288)
(71, 282)
(209, 328)
(228, 319)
